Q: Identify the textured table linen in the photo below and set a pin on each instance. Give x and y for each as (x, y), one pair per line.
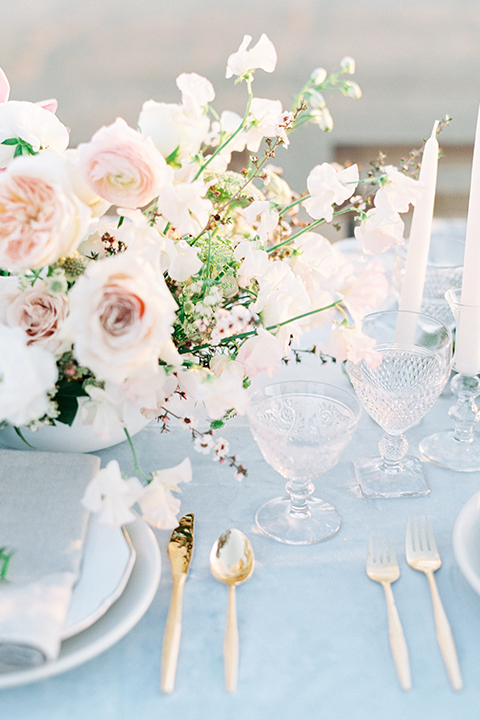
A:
(313, 627)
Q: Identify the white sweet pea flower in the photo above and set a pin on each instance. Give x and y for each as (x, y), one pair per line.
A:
(265, 118)
(112, 496)
(352, 344)
(184, 205)
(262, 352)
(255, 262)
(398, 191)
(103, 410)
(33, 124)
(261, 214)
(27, 374)
(282, 296)
(220, 389)
(159, 507)
(367, 291)
(196, 91)
(380, 230)
(327, 187)
(262, 55)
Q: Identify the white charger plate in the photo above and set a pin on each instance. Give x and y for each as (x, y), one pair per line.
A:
(119, 619)
(466, 541)
(108, 561)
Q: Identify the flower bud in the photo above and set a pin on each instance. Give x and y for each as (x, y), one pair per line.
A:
(351, 89)
(318, 76)
(317, 101)
(323, 119)
(348, 65)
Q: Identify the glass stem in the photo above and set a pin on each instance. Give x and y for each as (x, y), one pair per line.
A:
(465, 413)
(299, 492)
(393, 449)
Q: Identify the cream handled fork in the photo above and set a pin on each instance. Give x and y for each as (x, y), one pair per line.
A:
(383, 568)
(422, 554)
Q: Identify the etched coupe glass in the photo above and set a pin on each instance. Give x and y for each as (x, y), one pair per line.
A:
(415, 352)
(301, 428)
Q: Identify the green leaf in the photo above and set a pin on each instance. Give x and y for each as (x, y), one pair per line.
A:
(18, 151)
(66, 398)
(10, 141)
(20, 435)
(68, 407)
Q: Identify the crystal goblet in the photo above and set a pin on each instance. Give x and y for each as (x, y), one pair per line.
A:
(301, 428)
(415, 364)
(459, 449)
(444, 271)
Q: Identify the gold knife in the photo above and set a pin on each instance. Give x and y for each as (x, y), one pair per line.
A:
(180, 549)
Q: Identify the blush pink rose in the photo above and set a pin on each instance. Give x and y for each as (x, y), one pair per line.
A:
(41, 218)
(121, 313)
(123, 166)
(39, 314)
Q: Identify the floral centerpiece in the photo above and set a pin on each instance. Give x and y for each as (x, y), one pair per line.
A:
(138, 269)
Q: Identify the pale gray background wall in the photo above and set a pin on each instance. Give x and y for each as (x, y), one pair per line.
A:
(417, 60)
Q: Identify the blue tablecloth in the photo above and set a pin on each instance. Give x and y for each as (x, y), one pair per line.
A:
(313, 627)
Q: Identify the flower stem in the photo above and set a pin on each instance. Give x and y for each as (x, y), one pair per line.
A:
(137, 468)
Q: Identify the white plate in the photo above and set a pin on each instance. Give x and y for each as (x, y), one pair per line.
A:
(466, 541)
(108, 561)
(117, 621)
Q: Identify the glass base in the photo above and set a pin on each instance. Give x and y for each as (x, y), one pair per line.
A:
(275, 520)
(374, 482)
(442, 449)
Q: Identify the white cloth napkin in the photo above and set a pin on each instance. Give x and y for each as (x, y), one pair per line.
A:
(43, 523)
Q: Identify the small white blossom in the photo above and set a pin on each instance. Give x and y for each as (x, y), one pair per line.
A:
(204, 444)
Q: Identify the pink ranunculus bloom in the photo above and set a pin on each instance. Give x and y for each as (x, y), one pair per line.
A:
(41, 218)
(368, 291)
(262, 55)
(40, 315)
(121, 313)
(327, 187)
(122, 166)
(346, 343)
(262, 352)
(380, 230)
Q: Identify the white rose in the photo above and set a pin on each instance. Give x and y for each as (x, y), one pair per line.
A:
(27, 374)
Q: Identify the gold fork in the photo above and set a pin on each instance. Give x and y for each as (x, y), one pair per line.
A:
(382, 567)
(422, 554)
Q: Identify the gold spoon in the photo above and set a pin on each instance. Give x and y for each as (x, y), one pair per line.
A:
(231, 562)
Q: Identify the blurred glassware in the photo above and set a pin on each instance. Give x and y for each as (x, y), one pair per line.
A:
(458, 449)
(444, 271)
